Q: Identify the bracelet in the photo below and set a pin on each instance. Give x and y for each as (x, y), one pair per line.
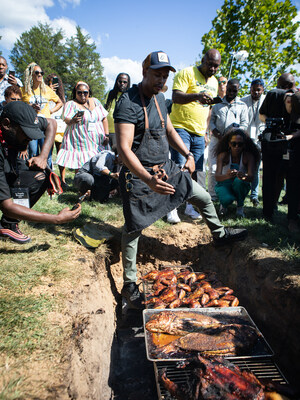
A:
(189, 155)
(109, 173)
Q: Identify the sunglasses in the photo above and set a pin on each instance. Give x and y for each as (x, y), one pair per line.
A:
(128, 185)
(15, 99)
(80, 92)
(237, 144)
(222, 82)
(122, 82)
(39, 72)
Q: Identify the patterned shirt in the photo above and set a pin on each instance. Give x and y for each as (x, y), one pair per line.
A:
(4, 85)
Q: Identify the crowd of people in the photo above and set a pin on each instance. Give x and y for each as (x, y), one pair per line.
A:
(153, 151)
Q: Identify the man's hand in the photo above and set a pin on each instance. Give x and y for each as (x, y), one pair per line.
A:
(159, 186)
(205, 98)
(114, 175)
(12, 80)
(37, 163)
(23, 155)
(190, 164)
(67, 215)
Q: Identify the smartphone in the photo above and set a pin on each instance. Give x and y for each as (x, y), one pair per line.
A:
(79, 114)
(13, 73)
(217, 100)
(55, 80)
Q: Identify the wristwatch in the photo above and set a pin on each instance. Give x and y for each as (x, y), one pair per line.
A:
(189, 155)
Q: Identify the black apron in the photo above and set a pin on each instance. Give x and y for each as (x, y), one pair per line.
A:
(141, 205)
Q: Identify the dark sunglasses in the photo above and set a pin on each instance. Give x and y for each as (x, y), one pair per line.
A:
(80, 92)
(237, 144)
(128, 184)
(222, 82)
(39, 72)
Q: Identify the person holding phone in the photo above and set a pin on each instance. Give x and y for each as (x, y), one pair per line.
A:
(237, 156)
(6, 79)
(193, 91)
(55, 83)
(87, 128)
(37, 94)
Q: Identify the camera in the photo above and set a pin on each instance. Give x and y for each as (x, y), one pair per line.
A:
(273, 140)
(273, 130)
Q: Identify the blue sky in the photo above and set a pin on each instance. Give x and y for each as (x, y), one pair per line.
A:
(124, 31)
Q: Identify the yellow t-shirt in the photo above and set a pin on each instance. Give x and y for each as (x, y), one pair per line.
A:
(42, 99)
(110, 118)
(192, 116)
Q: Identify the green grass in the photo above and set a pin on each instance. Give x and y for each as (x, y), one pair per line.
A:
(22, 323)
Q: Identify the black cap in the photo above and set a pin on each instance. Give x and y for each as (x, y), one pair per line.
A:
(24, 115)
(156, 60)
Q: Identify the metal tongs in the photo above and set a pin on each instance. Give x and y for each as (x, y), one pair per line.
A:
(80, 200)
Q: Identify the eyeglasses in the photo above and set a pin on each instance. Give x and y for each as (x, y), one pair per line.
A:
(80, 92)
(237, 144)
(39, 72)
(128, 178)
(222, 82)
(15, 99)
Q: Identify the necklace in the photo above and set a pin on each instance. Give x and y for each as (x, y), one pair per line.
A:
(86, 107)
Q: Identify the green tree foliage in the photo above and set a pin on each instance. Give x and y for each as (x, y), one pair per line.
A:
(83, 64)
(73, 60)
(41, 45)
(264, 29)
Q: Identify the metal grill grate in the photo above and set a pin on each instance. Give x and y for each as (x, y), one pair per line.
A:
(261, 368)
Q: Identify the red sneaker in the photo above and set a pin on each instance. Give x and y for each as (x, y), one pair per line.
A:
(12, 232)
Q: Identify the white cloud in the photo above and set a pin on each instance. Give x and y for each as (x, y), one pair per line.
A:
(19, 17)
(64, 3)
(114, 65)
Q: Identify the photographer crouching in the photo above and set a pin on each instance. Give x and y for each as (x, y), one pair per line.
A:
(280, 143)
(23, 183)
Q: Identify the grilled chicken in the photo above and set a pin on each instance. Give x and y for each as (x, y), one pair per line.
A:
(214, 379)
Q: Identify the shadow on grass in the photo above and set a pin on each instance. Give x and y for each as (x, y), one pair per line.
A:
(32, 249)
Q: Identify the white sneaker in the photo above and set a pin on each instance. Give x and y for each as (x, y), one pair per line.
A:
(172, 217)
(240, 212)
(191, 212)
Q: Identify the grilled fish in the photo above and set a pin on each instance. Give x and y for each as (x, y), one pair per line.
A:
(180, 323)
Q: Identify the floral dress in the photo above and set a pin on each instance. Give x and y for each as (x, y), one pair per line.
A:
(82, 140)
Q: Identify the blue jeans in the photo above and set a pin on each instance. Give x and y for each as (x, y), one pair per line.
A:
(195, 144)
(34, 149)
(255, 184)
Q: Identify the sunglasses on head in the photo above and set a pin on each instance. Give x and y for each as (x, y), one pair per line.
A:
(237, 144)
(81, 92)
(39, 72)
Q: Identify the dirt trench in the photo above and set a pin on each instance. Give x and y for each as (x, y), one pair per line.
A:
(108, 361)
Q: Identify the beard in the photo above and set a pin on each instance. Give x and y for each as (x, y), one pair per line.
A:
(11, 139)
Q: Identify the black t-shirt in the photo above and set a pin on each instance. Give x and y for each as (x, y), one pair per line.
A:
(9, 165)
(129, 110)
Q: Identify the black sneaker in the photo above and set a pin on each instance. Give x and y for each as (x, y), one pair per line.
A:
(132, 295)
(231, 235)
(255, 202)
(11, 231)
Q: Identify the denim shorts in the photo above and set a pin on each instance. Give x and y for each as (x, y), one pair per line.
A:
(195, 144)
